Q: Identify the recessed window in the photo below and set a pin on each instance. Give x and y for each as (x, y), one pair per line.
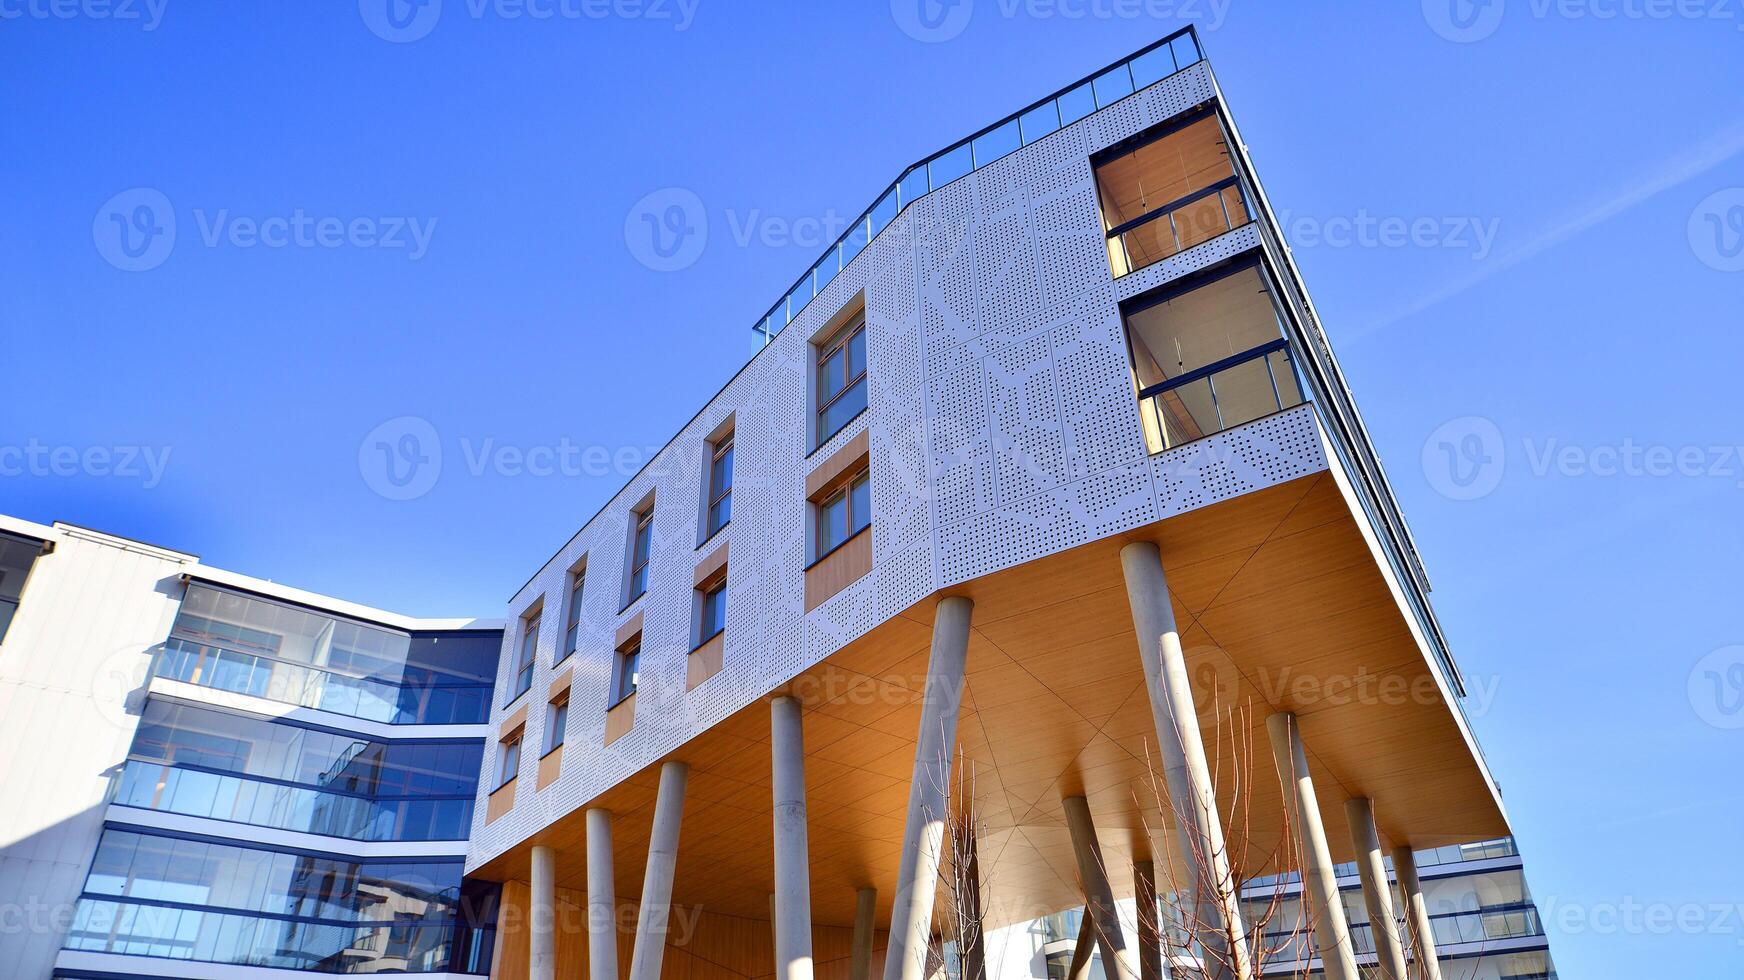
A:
(841, 378)
(844, 513)
(16, 557)
(556, 722)
(1172, 191)
(508, 759)
(641, 545)
(714, 610)
(626, 669)
(572, 615)
(524, 658)
(720, 485)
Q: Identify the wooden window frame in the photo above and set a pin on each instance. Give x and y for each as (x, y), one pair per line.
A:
(838, 341)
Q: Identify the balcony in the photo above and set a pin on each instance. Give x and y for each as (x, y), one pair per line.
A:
(1176, 188)
(1209, 355)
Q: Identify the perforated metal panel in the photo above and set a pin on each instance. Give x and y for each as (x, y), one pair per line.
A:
(1002, 424)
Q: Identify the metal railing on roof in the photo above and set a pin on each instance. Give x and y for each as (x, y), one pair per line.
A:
(1099, 90)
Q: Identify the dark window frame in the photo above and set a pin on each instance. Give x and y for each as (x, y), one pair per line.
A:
(839, 341)
(722, 447)
(572, 613)
(636, 586)
(556, 724)
(845, 493)
(626, 671)
(509, 745)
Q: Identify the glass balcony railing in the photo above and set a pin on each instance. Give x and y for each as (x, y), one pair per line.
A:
(1154, 63)
(311, 687)
(1218, 396)
(265, 803)
(284, 942)
(1178, 226)
(1482, 925)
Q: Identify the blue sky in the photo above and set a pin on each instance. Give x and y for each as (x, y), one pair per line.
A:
(1521, 225)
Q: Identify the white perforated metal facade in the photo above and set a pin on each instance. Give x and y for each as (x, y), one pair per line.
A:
(1002, 427)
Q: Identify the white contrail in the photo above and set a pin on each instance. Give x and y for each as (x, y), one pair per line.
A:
(1691, 162)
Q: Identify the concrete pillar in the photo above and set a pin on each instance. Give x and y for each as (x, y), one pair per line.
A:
(656, 910)
(792, 864)
(1098, 896)
(911, 912)
(860, 952)
(1416, 914)
(1389, 954)
(1082, 950)
(542, 917)
(1319, 884)
(1150, 932)
(602, 898)
(1217, 924)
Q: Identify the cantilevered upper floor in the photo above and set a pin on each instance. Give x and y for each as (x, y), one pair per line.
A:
(1075, 329)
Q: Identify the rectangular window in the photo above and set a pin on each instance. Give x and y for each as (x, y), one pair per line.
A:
(626, 671)
(1209, 355)
(524, 660)
(16, 557)
(641, 544)
(508, 759)
(720, 485)
(556, 722)
(572, 618)
(841, 378)
(1169, 193)
(714, 610)
(844, 513)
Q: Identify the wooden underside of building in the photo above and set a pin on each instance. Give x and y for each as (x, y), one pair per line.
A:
(1281, 605)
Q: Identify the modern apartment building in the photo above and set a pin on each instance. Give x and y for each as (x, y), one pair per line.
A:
(1041, 552)
(1038, 560)
(214, 776)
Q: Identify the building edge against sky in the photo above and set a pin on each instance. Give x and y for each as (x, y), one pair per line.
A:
(1060, 385)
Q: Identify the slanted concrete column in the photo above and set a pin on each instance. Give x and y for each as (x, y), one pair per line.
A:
(1416, 914)
(1098, 896)
(1192, 801)
(1319, 884)
(860, 952)
(911, 913)
(1389, 954)
(792, 865)
(656, 910)
(602, 898)
(542, 917)
(1150, 932)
